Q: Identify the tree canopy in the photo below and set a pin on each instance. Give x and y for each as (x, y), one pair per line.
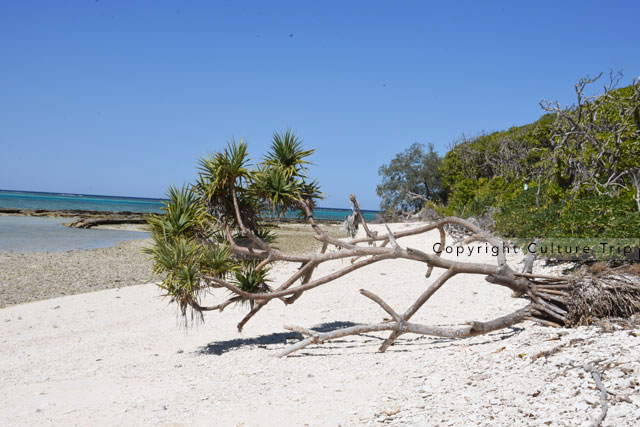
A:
(410, 180)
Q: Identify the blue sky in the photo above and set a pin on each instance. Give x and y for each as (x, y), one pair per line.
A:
(123, 97)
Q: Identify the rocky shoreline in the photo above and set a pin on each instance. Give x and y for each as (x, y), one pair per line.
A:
(89, 219)
(32, 276)
(84, 219)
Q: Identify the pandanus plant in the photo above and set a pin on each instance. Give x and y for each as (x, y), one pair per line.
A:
(211, 228)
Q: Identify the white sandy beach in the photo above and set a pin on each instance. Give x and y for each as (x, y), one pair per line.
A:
(118, 357)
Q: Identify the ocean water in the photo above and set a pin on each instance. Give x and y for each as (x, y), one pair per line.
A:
(83, 202)
(28, 234)
(31, 234)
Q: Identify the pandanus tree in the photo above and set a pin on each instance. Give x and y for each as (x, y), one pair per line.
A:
(211, 228)
(210, 237)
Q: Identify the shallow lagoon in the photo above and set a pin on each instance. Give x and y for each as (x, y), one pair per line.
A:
(35, 234)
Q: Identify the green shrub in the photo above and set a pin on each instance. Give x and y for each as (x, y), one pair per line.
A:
(594, 216)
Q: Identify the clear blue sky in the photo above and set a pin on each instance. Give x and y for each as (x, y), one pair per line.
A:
(123, 97)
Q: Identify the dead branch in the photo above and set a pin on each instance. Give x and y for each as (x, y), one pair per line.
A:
(530, 258)
(413, 196)
(554, 301)
(400, 326)
(603, 393)
(358, 215)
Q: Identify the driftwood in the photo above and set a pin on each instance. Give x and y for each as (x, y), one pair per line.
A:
(554, 301)
(603, 393)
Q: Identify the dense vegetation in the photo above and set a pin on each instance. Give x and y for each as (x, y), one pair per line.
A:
(575, 172)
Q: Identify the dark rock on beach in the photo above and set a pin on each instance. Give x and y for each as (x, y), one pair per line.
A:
(85, 219)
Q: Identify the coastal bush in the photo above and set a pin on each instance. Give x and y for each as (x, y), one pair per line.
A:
(603, 216)
(575, 172)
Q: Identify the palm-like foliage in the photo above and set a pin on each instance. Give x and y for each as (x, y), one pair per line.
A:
(252, 281)
(182, 261)
(221, 174)
(287, 154)
(183, 215)
(219, 171)
(279, 191)
(191, 236)
(266, 234)
(281, 179)
(219, 261)
(310, 192)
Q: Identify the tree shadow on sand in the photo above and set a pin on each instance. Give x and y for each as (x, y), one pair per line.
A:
(402, 345)
(221, 347)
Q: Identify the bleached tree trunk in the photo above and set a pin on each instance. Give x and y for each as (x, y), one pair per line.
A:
(554, 301)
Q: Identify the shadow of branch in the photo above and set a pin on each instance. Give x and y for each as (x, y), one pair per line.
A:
(220, 347)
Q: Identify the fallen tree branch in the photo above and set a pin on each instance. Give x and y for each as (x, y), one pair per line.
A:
(400, 326)
(554, 301)
(551, 296)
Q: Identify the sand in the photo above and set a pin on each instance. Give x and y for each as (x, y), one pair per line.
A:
(119, 357)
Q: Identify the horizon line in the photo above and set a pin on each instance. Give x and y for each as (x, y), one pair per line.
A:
(157, 199)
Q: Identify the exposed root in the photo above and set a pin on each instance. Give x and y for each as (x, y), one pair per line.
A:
(603, 297)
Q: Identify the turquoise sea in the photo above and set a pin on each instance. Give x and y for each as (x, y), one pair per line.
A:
(27, 234)
(81, 202)
(85, 202)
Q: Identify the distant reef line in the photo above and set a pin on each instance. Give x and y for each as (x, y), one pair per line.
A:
(88, 219)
